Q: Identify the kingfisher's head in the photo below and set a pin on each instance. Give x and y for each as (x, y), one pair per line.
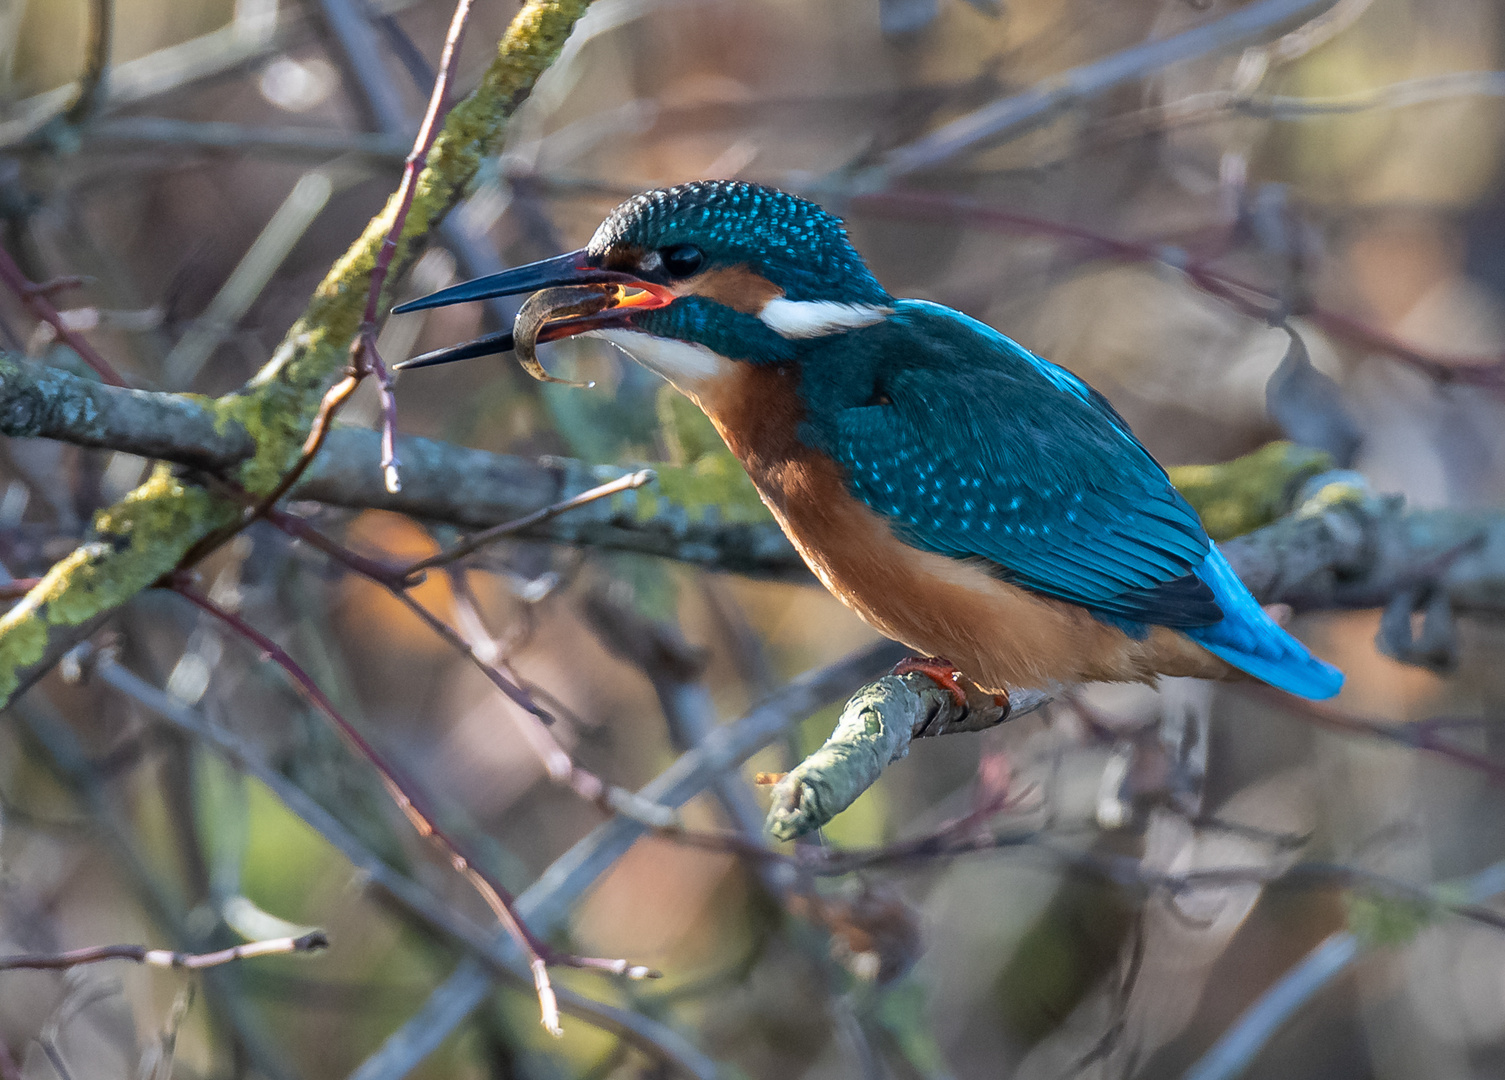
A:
(703, 275)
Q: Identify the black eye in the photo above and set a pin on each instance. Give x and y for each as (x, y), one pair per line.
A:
(681, 260)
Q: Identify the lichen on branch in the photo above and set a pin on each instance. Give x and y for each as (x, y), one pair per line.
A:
(875, 729)
(150, 531)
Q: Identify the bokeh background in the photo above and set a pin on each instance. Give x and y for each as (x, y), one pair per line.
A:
(1388, 216)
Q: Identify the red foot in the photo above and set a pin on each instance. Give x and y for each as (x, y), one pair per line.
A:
(942, 671)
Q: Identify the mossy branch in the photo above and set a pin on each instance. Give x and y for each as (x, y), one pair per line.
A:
(149, 532)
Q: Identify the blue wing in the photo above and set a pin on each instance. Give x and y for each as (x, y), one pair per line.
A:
(981, 449)
(974, 447)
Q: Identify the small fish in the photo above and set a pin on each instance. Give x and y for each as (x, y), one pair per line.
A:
(565, 302)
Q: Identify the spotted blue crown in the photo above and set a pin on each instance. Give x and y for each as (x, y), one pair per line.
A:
(791, 241)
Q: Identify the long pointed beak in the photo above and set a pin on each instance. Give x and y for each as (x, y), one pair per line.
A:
(585, 298)
(489, 345)
(570, 268)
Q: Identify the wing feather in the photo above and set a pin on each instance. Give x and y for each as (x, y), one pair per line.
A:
(1006, 458)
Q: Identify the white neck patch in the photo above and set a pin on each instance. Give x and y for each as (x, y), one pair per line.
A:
(816, 318)
(688, 365)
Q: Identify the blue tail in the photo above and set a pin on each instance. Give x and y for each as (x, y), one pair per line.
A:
(1251, 641)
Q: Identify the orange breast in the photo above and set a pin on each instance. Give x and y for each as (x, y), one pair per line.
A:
(997, 634)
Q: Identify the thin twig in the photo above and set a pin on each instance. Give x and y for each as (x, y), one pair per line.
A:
(164, 134)
(164, 958)
(396, 581)
(1235, 1049)
(366, 356)
(93, 85)
(548, 900)
(1418, 735)
(365, 359)
(539, 954)
(1213, 105)
(561, 768)
(40, 305)
(470, 544)
(334, 399)
(1026, 111)
(1247, 298)
(406, 894)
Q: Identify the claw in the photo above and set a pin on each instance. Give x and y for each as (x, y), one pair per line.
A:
(942, 671)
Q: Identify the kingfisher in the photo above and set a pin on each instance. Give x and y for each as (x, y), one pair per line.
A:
(962, 495)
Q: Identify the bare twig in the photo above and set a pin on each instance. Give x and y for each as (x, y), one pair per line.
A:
(1026, 111)
(365, 359)
(40, 304)
(1217, 104)
(403, 792)
(1247, 298)
(396, 581)
(1236, 1049)
(560, 767)
(366, 355)
(454, 553)
(1417, 735)
(547, 902)
(334, 399)
(165, 958)
(166, 134)
(93, 84)
(647, 1034)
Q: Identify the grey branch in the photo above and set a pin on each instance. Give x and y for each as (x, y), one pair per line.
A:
(1343, 549)
(546, 903)
(647, 1034)
(1045, 101)
(296, 143)
(875, 729)
(1348, 548)
(42, 402)
(441, 482)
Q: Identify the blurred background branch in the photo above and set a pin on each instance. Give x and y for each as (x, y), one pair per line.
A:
(1269, 232)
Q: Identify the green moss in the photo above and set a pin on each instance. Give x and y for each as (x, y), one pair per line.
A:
(1331, 496)
(133, 543)
(701, 472)
(147, 533)
(1378, 920)
(1239, 496)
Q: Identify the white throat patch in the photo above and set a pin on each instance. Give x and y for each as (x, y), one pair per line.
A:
(816, 318)
(689, 366)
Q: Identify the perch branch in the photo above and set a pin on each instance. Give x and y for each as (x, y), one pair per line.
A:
(875, 729)
(547, 902)
(1342, 547)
